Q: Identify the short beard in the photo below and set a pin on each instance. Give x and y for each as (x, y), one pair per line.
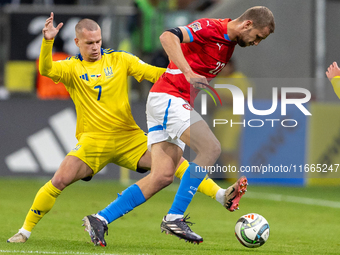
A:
(241, 43)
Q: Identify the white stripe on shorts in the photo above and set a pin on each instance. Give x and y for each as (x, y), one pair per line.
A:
(173, 71)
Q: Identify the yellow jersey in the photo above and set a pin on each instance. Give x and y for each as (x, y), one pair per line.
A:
(98, 89)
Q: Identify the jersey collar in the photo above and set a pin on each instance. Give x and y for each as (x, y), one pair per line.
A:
(225, 29)
(81, 57)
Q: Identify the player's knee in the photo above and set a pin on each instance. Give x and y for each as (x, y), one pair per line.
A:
(60, 182)
(216, 150)
(212, 151)
(167, 180)
(164, 180)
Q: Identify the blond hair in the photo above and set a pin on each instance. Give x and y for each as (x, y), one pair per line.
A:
(88, 24)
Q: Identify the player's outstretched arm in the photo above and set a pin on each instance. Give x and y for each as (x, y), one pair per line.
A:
(46, 66)
(172, 46)
(49, 31)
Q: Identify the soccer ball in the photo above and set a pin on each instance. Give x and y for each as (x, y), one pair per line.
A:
(252, 230)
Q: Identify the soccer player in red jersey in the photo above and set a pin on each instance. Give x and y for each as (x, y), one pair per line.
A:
(197, 53)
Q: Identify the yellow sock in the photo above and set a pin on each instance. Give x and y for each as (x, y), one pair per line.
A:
(207, 187)
(181, 169)
(42, 204)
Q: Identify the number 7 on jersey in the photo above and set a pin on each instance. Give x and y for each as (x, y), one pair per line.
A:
(99, 92)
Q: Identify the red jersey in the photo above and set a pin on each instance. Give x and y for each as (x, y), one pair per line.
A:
(207, 53)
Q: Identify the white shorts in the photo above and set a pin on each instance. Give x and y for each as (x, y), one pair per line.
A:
(168, 117)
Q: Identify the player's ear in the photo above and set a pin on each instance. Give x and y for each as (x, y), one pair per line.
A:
(76, 40)
(247, 24)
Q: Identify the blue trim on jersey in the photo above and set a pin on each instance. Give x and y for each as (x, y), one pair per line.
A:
(109, 51)
(190, 34)
(156, 128)
(166, 114)
(226, 36)
(79, 56)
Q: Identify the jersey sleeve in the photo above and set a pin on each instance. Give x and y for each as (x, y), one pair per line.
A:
(56, 70)
(141, 70)
(201, 30)
(336, 85)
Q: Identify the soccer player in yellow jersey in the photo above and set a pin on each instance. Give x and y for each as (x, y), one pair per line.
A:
(333, 74)
(106, 131)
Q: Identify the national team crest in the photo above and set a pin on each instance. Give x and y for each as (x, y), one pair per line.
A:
(187, 106)
(108, 72)
(195, 26)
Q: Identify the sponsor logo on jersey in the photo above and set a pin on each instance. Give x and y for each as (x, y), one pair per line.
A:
(219, 46)
(187, 106)
(196, 26)
(84, 77)
(108, 72)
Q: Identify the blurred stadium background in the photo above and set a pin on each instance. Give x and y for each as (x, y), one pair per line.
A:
(38, 124)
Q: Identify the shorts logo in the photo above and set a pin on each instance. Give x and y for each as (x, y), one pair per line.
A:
(196, 26)
(187, 106)
(76, 148)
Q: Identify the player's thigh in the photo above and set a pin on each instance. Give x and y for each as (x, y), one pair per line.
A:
(165, 157)
(200, 138)
(145, 161)
(229, 136)
(94, 150)
(71, 169)
(131, 150)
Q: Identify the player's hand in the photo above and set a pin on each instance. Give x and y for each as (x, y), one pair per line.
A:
(196, 80)
(49, 31)
(332, 71)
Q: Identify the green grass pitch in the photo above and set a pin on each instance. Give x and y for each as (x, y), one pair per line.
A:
(301, 222)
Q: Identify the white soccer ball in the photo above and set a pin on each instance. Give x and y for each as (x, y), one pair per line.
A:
(252, 230)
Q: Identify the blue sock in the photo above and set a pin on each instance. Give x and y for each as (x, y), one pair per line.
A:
(130, 198)
(191, 179)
